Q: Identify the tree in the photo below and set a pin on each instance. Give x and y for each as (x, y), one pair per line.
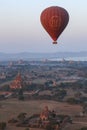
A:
(21, 117)
(72, 101)
(26, 128)
(49, 127)
(2, 125)
(84, 128)
(20, 95)
(85, 108)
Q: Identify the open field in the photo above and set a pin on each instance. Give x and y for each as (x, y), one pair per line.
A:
(11, 108)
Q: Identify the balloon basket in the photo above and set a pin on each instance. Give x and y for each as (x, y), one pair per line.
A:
(54, 42)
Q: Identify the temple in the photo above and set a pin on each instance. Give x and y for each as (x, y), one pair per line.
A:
(17, 82)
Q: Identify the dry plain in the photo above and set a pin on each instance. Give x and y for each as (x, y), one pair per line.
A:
(12, 107)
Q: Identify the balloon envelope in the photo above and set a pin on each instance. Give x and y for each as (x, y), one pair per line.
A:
(54, 19)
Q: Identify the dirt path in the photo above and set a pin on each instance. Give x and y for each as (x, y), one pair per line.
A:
(80, 122)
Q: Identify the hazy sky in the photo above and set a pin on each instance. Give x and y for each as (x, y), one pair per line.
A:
(21, 30)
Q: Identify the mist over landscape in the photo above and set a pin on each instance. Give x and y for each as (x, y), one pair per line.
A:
(39, 56)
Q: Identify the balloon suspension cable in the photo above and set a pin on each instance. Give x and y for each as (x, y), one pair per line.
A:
(54, 42)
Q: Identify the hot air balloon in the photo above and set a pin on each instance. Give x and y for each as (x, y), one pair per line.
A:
(54, 19)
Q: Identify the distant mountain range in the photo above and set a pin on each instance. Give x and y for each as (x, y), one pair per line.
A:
(38, 56)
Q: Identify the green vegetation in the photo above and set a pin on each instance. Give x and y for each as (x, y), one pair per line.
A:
(20, 94)
(27, 129)
(21, 117)
(2, 125)
(83, 128)
(72, 101)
